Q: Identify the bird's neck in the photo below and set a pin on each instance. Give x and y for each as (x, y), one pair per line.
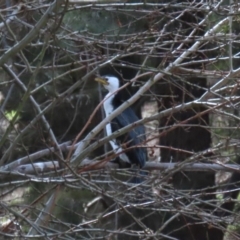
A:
(108, 103)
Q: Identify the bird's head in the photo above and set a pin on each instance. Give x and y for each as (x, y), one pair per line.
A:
(111, 83)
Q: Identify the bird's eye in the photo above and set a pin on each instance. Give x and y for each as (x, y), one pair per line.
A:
(106, 81)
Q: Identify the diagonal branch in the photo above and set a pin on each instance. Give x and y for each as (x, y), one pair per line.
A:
(32, 34)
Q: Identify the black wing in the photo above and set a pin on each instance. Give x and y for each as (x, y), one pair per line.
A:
(134, 137)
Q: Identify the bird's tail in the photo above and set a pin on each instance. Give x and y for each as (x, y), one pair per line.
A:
(139, 176)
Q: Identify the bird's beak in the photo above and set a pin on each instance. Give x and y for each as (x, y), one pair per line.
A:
(101, 80)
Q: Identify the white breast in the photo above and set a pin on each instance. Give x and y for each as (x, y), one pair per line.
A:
(108, 108)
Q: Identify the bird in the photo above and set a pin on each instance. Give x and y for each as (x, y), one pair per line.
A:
(134, 138)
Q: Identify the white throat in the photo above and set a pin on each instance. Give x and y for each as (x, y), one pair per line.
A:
(108, 108)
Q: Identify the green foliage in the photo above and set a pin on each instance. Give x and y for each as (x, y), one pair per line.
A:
(105, 22)
(90, 21)
(11, 114)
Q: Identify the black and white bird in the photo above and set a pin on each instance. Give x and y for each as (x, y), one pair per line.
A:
(132, 140)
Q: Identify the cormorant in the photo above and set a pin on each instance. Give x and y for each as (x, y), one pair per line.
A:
(133, 139)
